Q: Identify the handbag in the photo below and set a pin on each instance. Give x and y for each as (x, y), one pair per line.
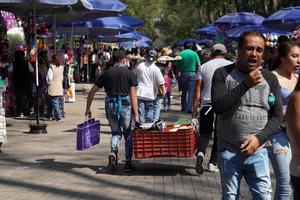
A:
(88, 134)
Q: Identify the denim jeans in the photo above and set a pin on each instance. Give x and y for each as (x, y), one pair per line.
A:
(120, 123)
(156, 109)
(281, 164)
(255, 169)
(296, 186)
(167, 99)
(188, 80)
(146, 109)
(54, 105)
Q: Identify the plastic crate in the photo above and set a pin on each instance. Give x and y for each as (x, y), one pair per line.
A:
(181, 143)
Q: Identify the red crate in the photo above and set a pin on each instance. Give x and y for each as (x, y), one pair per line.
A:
(164, 143)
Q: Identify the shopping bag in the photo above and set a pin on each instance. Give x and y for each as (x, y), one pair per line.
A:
(88, 134)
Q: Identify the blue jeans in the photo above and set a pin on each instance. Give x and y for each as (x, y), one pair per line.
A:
(54, 105)
(281, 164)
(120, 123)
(255, 169)
(167, 99)
(146, 109)
(188, 80)
(156, 109)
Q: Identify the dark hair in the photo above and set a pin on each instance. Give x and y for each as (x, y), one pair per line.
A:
(119, 54)
(55, 60)
(249, 33)
(19, 55)
(283, 50)
(283, 38)
(187, 45)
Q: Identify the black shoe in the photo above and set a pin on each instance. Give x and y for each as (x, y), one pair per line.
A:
(128, 166)
(112, 161)
(189, 111)
(199, 163)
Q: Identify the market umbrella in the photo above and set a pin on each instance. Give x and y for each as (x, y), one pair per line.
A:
(285, 19)
(238, 18)
(140, 36)
(189, 40)
(139, 43)
(65, 9)
(234, 33)
(101, 26)
(116, 38)
(210, 29)
(92, 28)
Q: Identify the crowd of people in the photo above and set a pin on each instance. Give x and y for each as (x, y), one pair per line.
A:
(250, 104)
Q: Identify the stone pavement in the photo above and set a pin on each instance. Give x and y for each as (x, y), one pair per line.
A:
(48, 167)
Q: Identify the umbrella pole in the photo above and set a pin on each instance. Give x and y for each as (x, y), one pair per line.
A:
(36, 128)
(54, 35)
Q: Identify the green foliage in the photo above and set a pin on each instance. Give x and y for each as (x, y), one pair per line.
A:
(168, 21)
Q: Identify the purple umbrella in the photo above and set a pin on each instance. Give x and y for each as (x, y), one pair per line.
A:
(238, 18)
(285, 19)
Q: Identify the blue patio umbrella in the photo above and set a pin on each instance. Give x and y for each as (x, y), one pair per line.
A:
(237, 19)
(235, 33)
(285, 19)
(210, 29)
(101, 26)
(188, 40)
(139, 35)
(92, 28)
(139, 43)
(65, 9)
(116, 38)
(240, 18)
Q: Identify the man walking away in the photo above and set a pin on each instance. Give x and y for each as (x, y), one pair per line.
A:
(188, 67)
(120, 86)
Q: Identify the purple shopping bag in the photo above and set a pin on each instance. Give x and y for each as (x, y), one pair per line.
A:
(88, 134)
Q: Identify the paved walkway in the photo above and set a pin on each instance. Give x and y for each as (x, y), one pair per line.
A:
(47, 167)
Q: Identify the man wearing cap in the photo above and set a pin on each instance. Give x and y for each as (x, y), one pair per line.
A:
(150, 84)
(188, 67)
(120, 86)
(202, 97)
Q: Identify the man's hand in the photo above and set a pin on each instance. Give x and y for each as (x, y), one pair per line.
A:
(250, 145)
(254, 77)
(136, 119)
(88, 113)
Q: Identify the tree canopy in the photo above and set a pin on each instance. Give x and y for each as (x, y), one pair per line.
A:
(168, 21)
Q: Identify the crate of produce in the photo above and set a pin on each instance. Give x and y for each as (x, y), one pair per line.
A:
(171, 142)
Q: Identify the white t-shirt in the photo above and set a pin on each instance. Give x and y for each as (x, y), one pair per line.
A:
(149, 77)
(205, 73)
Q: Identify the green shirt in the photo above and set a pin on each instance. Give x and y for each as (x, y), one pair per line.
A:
(189, 61)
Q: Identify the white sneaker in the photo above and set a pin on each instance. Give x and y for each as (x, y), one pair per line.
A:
(212, 168)
(199, 163)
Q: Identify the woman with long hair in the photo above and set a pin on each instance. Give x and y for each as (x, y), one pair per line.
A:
(286, 64)
(55, 87)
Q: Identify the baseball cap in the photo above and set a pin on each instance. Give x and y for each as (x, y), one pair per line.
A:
(152, 54)
(219, 47)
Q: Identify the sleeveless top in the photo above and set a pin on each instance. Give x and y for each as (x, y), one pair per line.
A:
(285, 93)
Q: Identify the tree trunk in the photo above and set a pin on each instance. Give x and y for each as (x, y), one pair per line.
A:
(273, 5)
(265, 7)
